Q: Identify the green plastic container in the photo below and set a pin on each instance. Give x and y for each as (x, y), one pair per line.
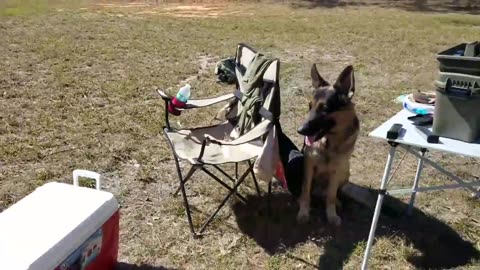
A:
(457, 80)
(457, 107)
(463, 58)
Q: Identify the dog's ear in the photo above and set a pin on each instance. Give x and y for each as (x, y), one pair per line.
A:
(345, 84)
(317, 80)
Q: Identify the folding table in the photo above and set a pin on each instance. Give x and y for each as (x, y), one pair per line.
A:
(414, 141)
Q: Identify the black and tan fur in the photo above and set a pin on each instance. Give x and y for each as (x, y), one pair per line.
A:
(333, 125)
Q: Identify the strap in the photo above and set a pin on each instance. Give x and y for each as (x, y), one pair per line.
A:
(266, 114)
(255, 133)
(238, 94)
(196, 103)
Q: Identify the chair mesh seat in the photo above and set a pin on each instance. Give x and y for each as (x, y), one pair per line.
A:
(187, 145)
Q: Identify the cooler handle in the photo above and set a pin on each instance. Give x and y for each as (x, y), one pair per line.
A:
(457, 91)
(87, 174)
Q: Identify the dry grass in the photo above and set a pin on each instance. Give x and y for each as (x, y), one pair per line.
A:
(76, 91)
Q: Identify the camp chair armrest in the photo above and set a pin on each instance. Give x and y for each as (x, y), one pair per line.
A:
(255, 133)
(199, 103)
(164, 95)
(191, 104)
(167, 99)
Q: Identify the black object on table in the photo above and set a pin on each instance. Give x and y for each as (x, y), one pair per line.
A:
(394, 131)
(421, 119)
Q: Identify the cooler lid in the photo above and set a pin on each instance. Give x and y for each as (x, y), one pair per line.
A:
(42, 229)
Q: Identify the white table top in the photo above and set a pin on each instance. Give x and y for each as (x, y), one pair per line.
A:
(414, 137)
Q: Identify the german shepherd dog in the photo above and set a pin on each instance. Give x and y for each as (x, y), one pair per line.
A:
(331, 129)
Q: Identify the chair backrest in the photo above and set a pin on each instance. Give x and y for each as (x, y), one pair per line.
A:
(270, 93)
(243, 58)
(271, 90)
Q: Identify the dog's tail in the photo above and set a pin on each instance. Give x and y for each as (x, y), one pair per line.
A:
(359, 194)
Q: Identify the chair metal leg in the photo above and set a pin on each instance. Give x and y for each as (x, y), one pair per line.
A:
(187, 177)
(236, 175)
(182, 184)
(378, 207)
(250, 168)
(232, 191)
(269, 205)
(236, 170)
(224, 173)
(223, 183)
(233, 180)
(184, 195)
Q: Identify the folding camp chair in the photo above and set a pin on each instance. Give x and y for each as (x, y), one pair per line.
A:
(207, 147)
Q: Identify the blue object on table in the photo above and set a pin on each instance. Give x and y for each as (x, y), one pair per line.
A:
(459, 53)
(420, 111)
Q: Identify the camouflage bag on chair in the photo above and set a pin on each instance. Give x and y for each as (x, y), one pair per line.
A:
(225, 71)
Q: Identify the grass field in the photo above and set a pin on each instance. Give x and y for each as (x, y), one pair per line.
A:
(77, 88)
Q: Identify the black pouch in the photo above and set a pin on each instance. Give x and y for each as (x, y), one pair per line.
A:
(421, 119)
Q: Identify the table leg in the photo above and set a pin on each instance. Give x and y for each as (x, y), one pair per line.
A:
(445, 172)
(378, 206)
(415, 182)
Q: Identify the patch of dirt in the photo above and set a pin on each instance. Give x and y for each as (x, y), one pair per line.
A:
(207, 10)
(205, 68)
(122, 5)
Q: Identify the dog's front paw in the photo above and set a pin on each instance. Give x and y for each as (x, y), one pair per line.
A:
(334, 220)
(303, 216)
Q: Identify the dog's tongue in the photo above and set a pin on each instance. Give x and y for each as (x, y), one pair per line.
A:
(309, 140)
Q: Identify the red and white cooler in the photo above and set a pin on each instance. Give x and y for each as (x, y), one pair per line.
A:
(60, 226)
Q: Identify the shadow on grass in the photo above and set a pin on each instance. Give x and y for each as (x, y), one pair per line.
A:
(440, 246)
(127, 266)
(462, 6)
